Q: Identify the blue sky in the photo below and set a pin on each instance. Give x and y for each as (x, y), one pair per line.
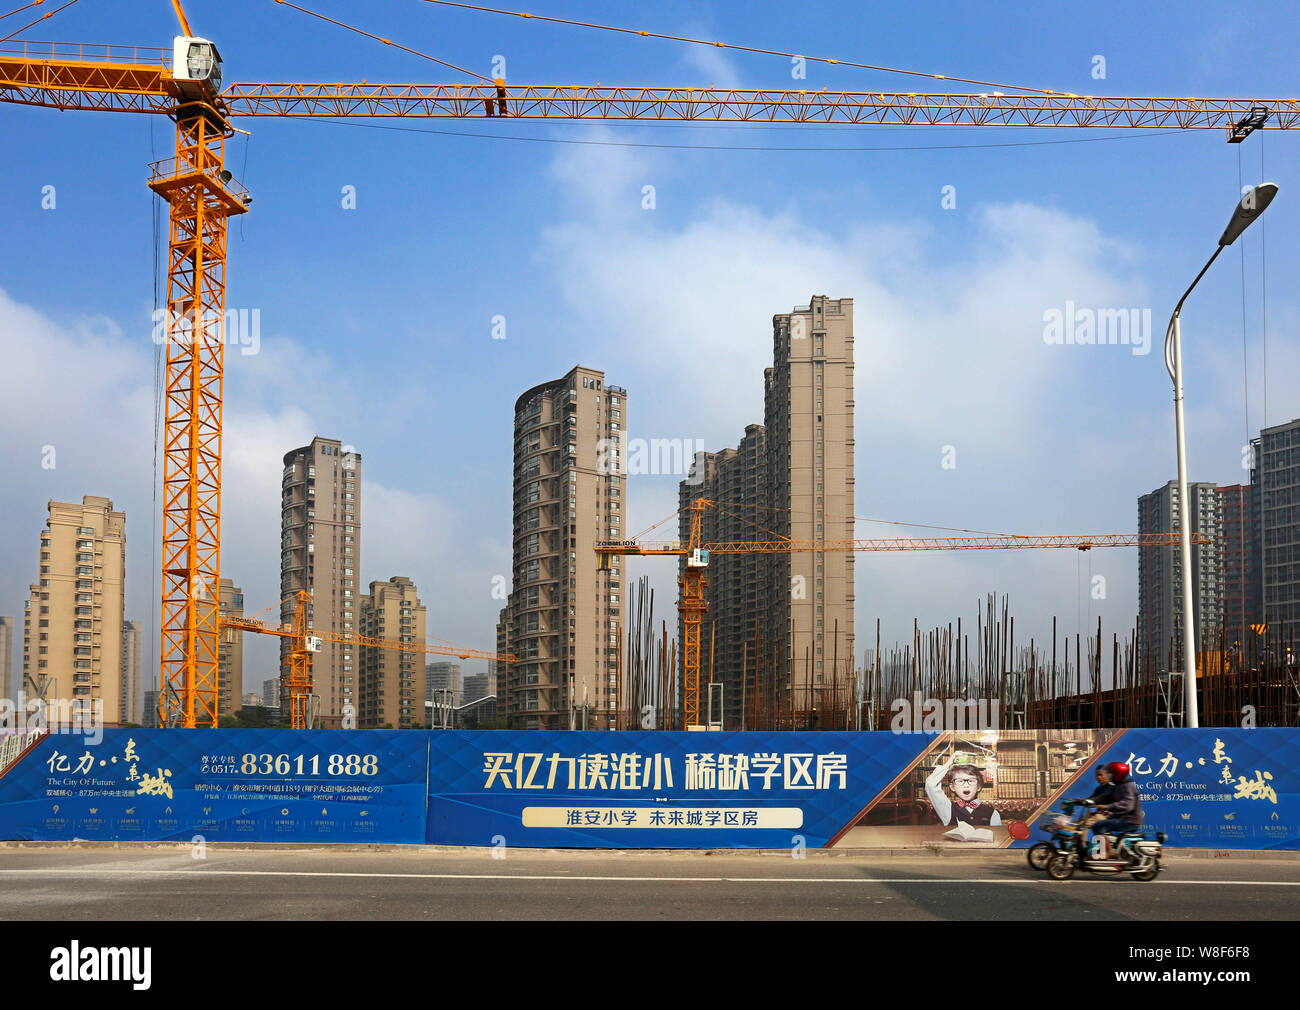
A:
(394, 301)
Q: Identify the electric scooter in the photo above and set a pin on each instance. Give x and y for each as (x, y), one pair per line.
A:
(1061, 828)
(1135, 854)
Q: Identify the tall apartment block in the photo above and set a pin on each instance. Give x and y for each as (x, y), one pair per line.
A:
(737, 589)
(320, 524)
(1239, 554)
(808, 415)
(1276, 477)
(790, 477)
(230, 652)
(443, 676)
(392, 682)
(475, 687)
(132, 640)
(1160, 586)
(271, 692)
(563, 617)
(8, 682)
(72, 620)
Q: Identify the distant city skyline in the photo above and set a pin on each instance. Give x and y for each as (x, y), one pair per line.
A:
(955, 243)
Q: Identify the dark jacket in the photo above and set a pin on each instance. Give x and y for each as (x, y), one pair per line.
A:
(1124, 803)
(1102, 793)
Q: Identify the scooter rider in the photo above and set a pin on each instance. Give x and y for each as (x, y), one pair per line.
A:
(1102, 794)
(1124, 808)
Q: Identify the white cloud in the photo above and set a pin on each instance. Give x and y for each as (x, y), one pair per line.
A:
(950, 350)
(86, 389)
(711, 68)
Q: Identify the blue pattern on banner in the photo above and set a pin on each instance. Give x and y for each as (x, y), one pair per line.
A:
(225, 785)
(655, 790)
(1216, 788)
(1210, 788)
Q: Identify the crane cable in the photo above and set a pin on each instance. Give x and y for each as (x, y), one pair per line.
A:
(37, 21)
(34, 3)
(751, 522)
(864, 519)
(746, 49)
(387, 42)
(888, 522)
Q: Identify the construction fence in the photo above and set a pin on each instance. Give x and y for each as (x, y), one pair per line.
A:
(1218, 788)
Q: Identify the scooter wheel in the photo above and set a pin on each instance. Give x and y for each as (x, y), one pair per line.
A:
(1060, 866)
(1149, 873)
(1038, 855)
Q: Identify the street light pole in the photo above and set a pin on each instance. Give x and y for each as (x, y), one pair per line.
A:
(1251, 205)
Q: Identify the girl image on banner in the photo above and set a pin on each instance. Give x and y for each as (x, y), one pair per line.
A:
(953, 789)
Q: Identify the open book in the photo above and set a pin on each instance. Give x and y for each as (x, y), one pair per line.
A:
(964, 832)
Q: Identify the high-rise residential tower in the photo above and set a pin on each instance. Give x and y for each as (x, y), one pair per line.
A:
(497, 667)
(320, 523)
(1238, 551)
(738, 584)
(230, 652)
(443, 676)
(791, 477)
(808, 417)
(475, 686)
(392, 681)
(132, 640)
(8, 682)
(564, 617)
(1160, 586)
(1276, 477)
(271, 693)
(72, 621)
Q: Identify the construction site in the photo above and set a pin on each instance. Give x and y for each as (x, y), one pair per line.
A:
(733, 382)
(659, 681)
(1068, 683)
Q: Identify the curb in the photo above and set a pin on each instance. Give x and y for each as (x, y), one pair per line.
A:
(812, 853)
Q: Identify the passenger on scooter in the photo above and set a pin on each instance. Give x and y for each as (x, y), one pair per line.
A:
(1100, 795)
(1124, 808)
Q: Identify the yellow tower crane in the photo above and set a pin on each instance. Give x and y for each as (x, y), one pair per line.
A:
(184, 83)
(306, 642)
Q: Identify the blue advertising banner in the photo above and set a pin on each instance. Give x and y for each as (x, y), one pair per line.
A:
(225, 785)
(1210, 788)
(654, 790)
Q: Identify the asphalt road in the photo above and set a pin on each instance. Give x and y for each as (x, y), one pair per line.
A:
(90, 884)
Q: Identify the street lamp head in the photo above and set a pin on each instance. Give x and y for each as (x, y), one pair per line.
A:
(1251, 205)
